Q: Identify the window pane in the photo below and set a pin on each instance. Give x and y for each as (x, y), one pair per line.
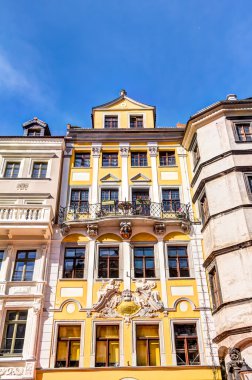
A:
(113, 353)
(61, 360)
(154, 353)
(74, 354)
(101, 354)
(142, 353)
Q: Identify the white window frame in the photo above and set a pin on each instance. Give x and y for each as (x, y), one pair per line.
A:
(5, 161)
(96, 261)
(156, 322)
(93, 341)
(137, 114)
(38, 160)
(177, 321)
(112, 114)
(141, 187)
(78, 187)
(62, 257)
(172, 187)
(110, 186)
(188, 245)
(156, 259)
(56, 325)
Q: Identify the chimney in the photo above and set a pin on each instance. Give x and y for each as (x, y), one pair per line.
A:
(231, 97)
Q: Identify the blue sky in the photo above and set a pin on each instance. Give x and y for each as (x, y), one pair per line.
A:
(58, 58)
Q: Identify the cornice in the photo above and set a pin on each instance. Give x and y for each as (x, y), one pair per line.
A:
(227, 333)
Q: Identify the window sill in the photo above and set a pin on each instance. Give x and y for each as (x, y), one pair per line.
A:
(134, 279)
(81, 167)
(180, 278)
(140, 166)
(25, 178)
(98, 279)
(72, 279)
(11, 357)
(168, 166)
(116, 167)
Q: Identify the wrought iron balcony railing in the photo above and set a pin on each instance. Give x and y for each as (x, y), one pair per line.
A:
(110, 209)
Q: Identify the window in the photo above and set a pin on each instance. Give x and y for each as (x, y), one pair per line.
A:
(108, 262)
(14, 332)
(215, 288)
(195, 154)
(186, 344)
(79, 200)
(139, 159)
(82, 160)
(178, 261)
(244, 131)
(147, 345)
(107, 346)
(204, 209)
(136, 121)
(33, 132)
(141, 202)
(74, 263)
(24, 266)
(111, 121)
(109, 159)
(1, 258)
(12, 170)
(167, 158)
(68, 347)
(171, 201)
(109, 198)
(144, 262)
(39, 170)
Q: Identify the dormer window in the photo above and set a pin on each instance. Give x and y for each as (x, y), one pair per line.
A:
(136, 121)
(33, 132)
(111, 121)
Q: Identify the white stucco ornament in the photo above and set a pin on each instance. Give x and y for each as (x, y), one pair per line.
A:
(70, 308)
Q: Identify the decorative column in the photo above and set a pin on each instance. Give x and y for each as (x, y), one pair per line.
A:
(184, 174)
(90, 275)
(65, 174)
(124, 152)
(126, 264)
(33, 316)
(153, 151)
(96, 151)
(161, 253)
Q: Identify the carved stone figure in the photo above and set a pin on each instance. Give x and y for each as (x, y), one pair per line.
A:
(125, 230)
(92, 230)
(235, 365)
(105, 288)
(159, 228)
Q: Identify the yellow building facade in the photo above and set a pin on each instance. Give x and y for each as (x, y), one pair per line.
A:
(127, 297)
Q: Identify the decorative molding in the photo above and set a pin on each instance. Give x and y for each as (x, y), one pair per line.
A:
(110, 178)
(143, 302)
(159, 228)
(140, 178)
(22, 186)
(124, 151)
(153, 150)
(125, 230)
(227, 333)
(92, 230)
(12, 371)
(96, 151)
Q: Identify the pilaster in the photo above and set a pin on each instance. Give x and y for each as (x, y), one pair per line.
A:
(96, 151)
(153, 151)
(124, 152)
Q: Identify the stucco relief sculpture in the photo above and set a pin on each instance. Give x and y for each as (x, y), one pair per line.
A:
(125, 230)
(92, 230)
(143, 302)
(159, 228)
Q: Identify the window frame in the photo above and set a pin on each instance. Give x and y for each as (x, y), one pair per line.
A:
(135, 152)
(26, 260)
(110, 159)
(178, 268)
(185, 243)
(131, 115)
(69, 341)
(82, 153)
(74, 259)
(180, 321)
(144, 245)
(40, 170)
(215, 301)
(57, 324)
(85, 202)
(4, 332)
(111, 116)
(235, 124)
(107, 340)
(167, 158)
(171, 201)
(247, 184)
(107, 246)
(14, 162)
(204, 212)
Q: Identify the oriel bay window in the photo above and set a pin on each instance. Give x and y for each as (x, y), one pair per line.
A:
(14, 333)
(74, 262)
(178, 261)
(24, 266)
(147, 345)
(186, 344)
(108, 266)
(107, 346)
(144, 262)
(68, 347)
(79, 200)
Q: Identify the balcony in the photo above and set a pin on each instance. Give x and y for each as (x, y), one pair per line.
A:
(16, 219)
(86, 212)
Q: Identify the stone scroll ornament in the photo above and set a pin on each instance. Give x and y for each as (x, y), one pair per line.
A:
(113, 303)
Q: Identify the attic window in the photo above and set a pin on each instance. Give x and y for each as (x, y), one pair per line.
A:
(33, 132)
(136, 121)
(111, 121)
